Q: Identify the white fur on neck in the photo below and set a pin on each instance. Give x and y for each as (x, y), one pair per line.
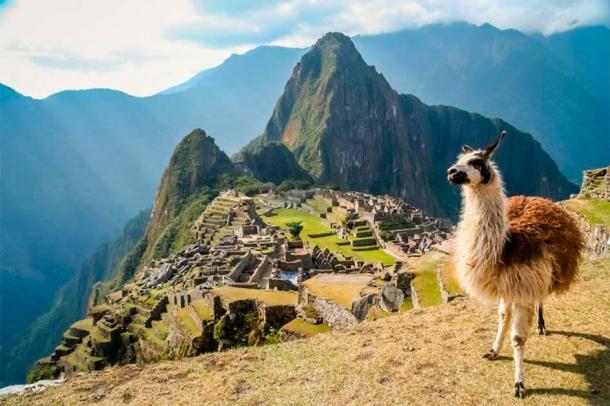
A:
(482, 231)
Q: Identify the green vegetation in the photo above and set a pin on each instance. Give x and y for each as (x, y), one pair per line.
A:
(595, 211)
(219, 328)
(269, 297)
(407, 305)
(43, 371)
(314, 225)
(85, 324)
(451, 282)
(177, 233)
(202, 309)
(184, 317)
(273, 337)
(305, 328)
(271, 162)
(295, 228)
(426, 281)
(342, 289)
(294, 184)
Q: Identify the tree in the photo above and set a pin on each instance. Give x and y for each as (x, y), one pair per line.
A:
(295, 228)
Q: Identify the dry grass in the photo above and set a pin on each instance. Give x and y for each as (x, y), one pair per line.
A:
(340, 288)
(270, 297)
(428, 357)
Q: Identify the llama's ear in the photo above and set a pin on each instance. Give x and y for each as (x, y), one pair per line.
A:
(493, 147)
(467, 148)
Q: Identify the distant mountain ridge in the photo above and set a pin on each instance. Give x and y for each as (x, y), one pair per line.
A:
(347, 126)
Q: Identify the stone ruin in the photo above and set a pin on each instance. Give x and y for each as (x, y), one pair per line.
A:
(596, 184)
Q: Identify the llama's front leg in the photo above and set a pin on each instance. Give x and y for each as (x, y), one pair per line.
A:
(504, 316)
(541, 328)
(522, 319)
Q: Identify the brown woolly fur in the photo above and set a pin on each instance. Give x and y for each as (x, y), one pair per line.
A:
(537, 225)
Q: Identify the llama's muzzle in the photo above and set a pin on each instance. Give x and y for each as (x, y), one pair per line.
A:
(456, 176)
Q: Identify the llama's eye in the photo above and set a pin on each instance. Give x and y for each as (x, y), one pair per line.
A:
(477, 163)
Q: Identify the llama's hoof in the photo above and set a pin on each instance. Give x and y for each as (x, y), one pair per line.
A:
(519, 390)
(492, 355)
(542, 331)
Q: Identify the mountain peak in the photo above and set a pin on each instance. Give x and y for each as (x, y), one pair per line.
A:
(334, 37)
(196, 164)
(337, 46)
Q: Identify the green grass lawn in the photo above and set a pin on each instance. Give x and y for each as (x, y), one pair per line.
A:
(184, 317)
(426, 282)
(304, 328)
(407, 305)
(202, 309)
(271, 298)
(595, 211)
(451, 283)
(84, 325)
(314, 225)
(339, 288)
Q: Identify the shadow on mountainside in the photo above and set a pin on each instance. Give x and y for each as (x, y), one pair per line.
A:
(595, 367)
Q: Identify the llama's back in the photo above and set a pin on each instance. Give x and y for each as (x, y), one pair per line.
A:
(538, 225)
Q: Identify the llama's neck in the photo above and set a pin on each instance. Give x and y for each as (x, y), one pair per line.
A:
(483, 227)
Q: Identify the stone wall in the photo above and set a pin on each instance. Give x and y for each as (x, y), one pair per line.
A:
(334, 315)
(596, 238)
(596, 184)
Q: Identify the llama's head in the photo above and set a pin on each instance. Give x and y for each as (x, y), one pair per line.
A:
(474, 167)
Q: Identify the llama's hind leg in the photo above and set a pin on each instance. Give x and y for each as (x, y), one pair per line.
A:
(504, 316)
(522, 319)
(541, 327)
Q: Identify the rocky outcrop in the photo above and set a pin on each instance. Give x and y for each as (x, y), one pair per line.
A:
(361, 306)
(271, 162)
(596, 184)
(390, 298)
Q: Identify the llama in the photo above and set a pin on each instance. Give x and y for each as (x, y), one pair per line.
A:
(513, 252)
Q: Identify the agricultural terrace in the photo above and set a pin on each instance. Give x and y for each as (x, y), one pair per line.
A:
(342, 289)
(304, 328)
(426, 279)
(313, 225)
(269, 297)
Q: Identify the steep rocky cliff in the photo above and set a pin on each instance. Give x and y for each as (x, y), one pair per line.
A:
(270, 162)
(346, 125)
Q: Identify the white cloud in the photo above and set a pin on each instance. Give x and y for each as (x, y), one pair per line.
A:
(111, 43)
(142, 47)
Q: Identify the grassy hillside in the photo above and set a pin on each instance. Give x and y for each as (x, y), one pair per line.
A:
(595, 211)
(427, 357)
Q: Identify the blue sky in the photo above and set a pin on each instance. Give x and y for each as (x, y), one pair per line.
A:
(144, 46)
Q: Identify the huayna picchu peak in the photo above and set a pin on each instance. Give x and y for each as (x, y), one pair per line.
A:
(347, 126)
